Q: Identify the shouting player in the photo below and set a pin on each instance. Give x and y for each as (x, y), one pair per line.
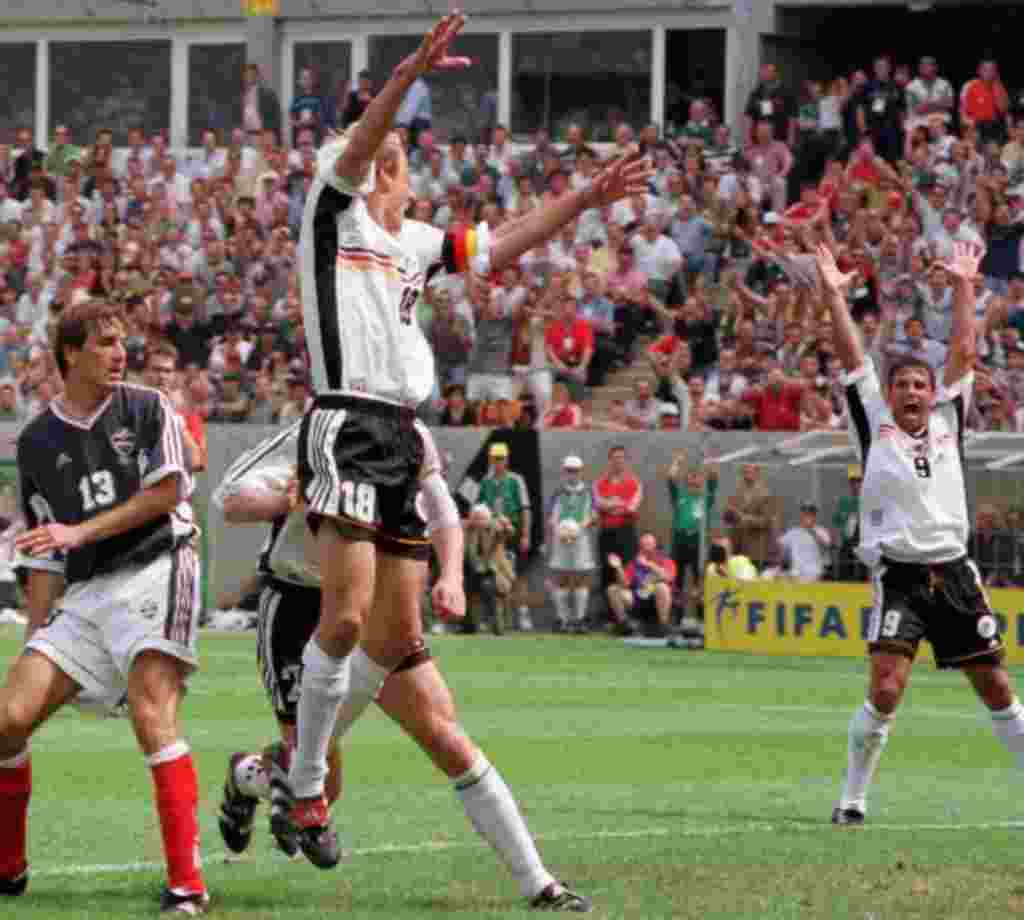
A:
(112, 586)
(260, 486)
(363, 268)
(913, 529)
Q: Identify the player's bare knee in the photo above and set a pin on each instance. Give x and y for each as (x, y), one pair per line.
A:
(888, 690)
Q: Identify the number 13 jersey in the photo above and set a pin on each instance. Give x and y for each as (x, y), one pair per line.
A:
(913, 503)
(71, 470)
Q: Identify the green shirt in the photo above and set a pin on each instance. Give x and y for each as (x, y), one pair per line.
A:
(573, 504)
(691, 513)
(846, 518)
(507, 496)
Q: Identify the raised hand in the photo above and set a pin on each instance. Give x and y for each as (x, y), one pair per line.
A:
(831, 276)
(965, 261)
(432, 54)
(628, 175)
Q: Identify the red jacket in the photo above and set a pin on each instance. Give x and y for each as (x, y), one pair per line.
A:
(776, 411)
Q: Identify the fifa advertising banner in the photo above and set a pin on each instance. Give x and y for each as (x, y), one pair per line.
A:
(816, 619)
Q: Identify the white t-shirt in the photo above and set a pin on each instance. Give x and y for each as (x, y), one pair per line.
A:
(360, 289)
(659, 260)
(913, 504)
(805, 552)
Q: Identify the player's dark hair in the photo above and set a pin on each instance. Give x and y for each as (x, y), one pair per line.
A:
(900, 364)
(616, 447)
(77, 322)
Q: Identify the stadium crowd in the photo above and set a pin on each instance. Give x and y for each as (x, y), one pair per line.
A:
(703, 281)
(702, 289)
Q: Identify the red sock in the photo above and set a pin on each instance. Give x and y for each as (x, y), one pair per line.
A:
(15, 790)
(177, 798)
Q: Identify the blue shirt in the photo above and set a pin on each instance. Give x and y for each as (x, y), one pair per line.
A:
(416, 104)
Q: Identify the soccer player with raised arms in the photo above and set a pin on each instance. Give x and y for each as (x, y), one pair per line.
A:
(914, 527)
(260, 486)
(360, 456)
(112, 587)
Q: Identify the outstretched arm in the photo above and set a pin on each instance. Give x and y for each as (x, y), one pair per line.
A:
(847, 337)
(963, 338)
(626, 176)
(369, 133)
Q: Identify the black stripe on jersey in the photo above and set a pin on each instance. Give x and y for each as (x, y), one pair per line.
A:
(860, 420)
(329, 204)
(447, 255)
(958, 408)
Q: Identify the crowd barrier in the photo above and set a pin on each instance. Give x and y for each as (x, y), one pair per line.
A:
(818, 619)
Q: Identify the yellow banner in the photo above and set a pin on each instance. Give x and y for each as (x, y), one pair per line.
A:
(818, 619)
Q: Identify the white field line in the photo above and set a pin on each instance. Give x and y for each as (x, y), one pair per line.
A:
(429, 846)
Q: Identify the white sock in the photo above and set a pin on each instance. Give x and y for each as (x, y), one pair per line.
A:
(251, 777)
(324, 684)
(1008, 724)
(582, 598)
(366, 677)
(494, 814)
(561, 598)
(869, 731)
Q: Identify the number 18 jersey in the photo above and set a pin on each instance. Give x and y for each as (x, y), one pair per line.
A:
(913, 503)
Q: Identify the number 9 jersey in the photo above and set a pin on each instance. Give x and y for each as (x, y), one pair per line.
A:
(73, 469)
(913, 503)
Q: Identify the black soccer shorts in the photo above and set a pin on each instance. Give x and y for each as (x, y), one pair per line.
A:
(288, 618)
(359, 466)
(945, 604)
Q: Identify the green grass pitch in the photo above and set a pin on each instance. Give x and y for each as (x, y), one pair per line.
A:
(662, 783)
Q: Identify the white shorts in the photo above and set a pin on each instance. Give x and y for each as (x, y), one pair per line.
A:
(490, 387)
(100, 626)
(577, 556)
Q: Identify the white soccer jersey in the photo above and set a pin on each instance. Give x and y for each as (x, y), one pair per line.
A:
(913, 501)
(360, 287)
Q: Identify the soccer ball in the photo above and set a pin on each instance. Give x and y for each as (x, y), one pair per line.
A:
(568, 531)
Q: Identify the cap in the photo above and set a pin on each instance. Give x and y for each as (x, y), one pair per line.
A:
(572, 462)
(853, 471)
(498, 452)
(809, 506)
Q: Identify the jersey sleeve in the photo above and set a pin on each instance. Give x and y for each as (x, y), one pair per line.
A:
(466, 248)
(524, 493)
(269, 467)
(866, 408)
(36, 510)
(163, 447)
(954, 402)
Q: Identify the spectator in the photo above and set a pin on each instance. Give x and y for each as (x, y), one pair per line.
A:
(451, 336)
(414, 114)
(805, 547)
(993, 548)
(692, 509)
(749, 514)
(358, 99)
(262, 408)
(489, 567)
(657, 256)
(643, 409)
(775, 406)
(310, 109)
(569, 345)
(929, 96)
(984, 104)
(723, 563)
(11, 408)
(692, 233)
(504, 492)
(846, 522)
(769, 100)
(617, 497)
(571, 562)
(563, 412)
(599, 311)
(916, 345)
(457, 412)
(881, 110)
(489, 369)
(260, 109)
(642, 589)
(770, 161)
(233, 404)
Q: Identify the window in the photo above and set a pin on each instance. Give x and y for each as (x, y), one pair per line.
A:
(18, 78)
(463, 102)
(596, 79)
(119, 85)
(214, 90)
(331, 63)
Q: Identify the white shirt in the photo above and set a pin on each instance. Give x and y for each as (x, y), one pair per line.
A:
(919, 92)
(659, 260)
(359, 291)
(913, 504)
(10, 209)
(806, 552)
